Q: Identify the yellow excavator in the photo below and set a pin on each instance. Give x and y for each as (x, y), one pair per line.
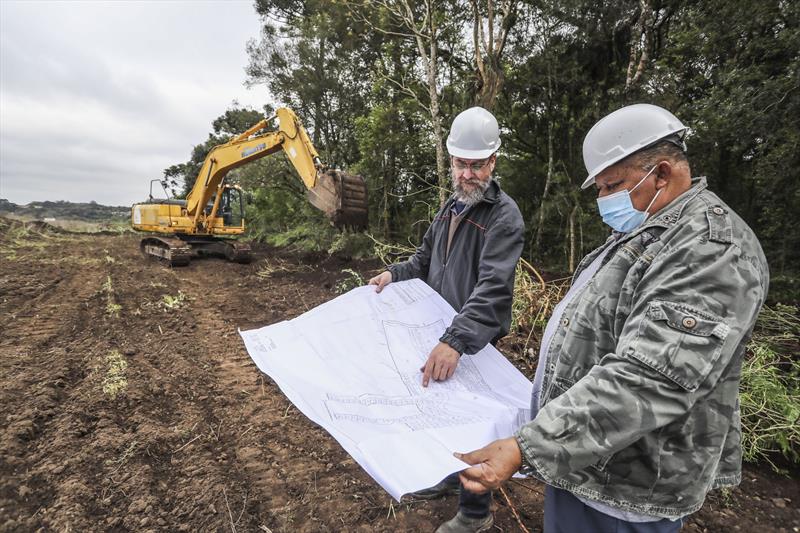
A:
(212, 215)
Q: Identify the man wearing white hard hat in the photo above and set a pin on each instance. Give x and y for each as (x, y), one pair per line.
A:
(635, 414)
(468, 255)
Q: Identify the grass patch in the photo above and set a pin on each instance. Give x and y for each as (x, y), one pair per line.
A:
(19, 234)
(276, 266)
(112, 307)
(115, 380)
(24, 237)
(173, 302)
(71, 260)
(8, 253)
(86, 226)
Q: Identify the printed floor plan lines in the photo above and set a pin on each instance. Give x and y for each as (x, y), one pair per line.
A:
(352, 365)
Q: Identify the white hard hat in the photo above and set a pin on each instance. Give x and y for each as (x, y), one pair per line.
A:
(474, 134)
(625, 131)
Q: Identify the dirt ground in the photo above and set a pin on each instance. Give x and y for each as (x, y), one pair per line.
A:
(130, 404)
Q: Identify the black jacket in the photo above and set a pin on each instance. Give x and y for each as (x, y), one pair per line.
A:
(478, 277)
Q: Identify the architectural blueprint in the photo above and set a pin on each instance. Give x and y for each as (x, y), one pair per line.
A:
(352, 365)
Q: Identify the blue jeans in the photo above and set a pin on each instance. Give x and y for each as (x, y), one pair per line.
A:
(470, 504)
(564, 513)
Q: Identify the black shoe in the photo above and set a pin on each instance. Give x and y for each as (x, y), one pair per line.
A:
(440, 490)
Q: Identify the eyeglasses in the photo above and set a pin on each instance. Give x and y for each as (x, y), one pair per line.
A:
(461, 166)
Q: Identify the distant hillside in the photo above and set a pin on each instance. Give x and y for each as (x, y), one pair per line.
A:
(91, 212)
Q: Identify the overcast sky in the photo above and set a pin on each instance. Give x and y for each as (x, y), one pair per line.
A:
(97, 98)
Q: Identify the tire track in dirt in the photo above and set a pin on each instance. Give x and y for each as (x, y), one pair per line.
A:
(184, 456)
(50, 470)
(44, 310)
(257, 415)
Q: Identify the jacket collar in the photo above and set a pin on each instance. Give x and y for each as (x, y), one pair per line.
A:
(670, 213)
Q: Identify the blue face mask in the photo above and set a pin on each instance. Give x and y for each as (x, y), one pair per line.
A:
(618, 212)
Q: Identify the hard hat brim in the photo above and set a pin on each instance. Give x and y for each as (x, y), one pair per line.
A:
(470, 154)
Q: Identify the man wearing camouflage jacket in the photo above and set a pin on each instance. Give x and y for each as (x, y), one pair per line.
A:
(635, 407)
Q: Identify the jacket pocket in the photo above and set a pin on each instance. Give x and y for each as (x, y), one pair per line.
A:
(680, 342)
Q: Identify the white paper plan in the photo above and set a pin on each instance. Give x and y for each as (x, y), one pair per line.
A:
(352, 365)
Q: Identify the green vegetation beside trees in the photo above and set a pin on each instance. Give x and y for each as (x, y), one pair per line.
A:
(62, 210)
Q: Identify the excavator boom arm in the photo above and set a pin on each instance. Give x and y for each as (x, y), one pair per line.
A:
(224, 158)
(342, 197)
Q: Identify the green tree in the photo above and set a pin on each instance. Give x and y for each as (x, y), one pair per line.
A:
(732, 72)
(234, 121)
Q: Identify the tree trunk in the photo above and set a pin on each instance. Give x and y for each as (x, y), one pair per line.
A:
(572, 216)
(387, 177)
(491, 83)
(318, 114)
(441, 158)
(639, 45)
(538, 239)
(429, 59)
(489, 48)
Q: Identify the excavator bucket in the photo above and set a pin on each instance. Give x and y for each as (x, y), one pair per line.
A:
(342, 197)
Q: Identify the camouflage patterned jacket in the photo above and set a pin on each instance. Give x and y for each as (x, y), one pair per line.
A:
(640, 394)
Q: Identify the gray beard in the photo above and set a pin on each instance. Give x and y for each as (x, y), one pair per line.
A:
(471, 197)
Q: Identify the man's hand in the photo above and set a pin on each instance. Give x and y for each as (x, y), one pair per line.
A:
(493, 464)
(381, 280)
(441, 364)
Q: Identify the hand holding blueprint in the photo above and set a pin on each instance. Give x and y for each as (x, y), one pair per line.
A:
(352, 365)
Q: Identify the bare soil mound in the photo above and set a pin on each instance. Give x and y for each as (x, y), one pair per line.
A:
(130, 403)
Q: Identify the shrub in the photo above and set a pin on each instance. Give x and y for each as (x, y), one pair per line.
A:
(352, 245)
(770, 387)
(304, 237)
(534, 300)
(352, 280)
(390, 253)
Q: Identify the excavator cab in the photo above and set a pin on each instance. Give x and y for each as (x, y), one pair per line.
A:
(231, 206)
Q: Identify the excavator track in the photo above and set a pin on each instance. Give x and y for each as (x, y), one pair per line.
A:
(342, 197)
(238, 252)
(178, 252)
(174, 252)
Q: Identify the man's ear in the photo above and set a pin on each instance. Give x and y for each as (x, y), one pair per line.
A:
(664, 171)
